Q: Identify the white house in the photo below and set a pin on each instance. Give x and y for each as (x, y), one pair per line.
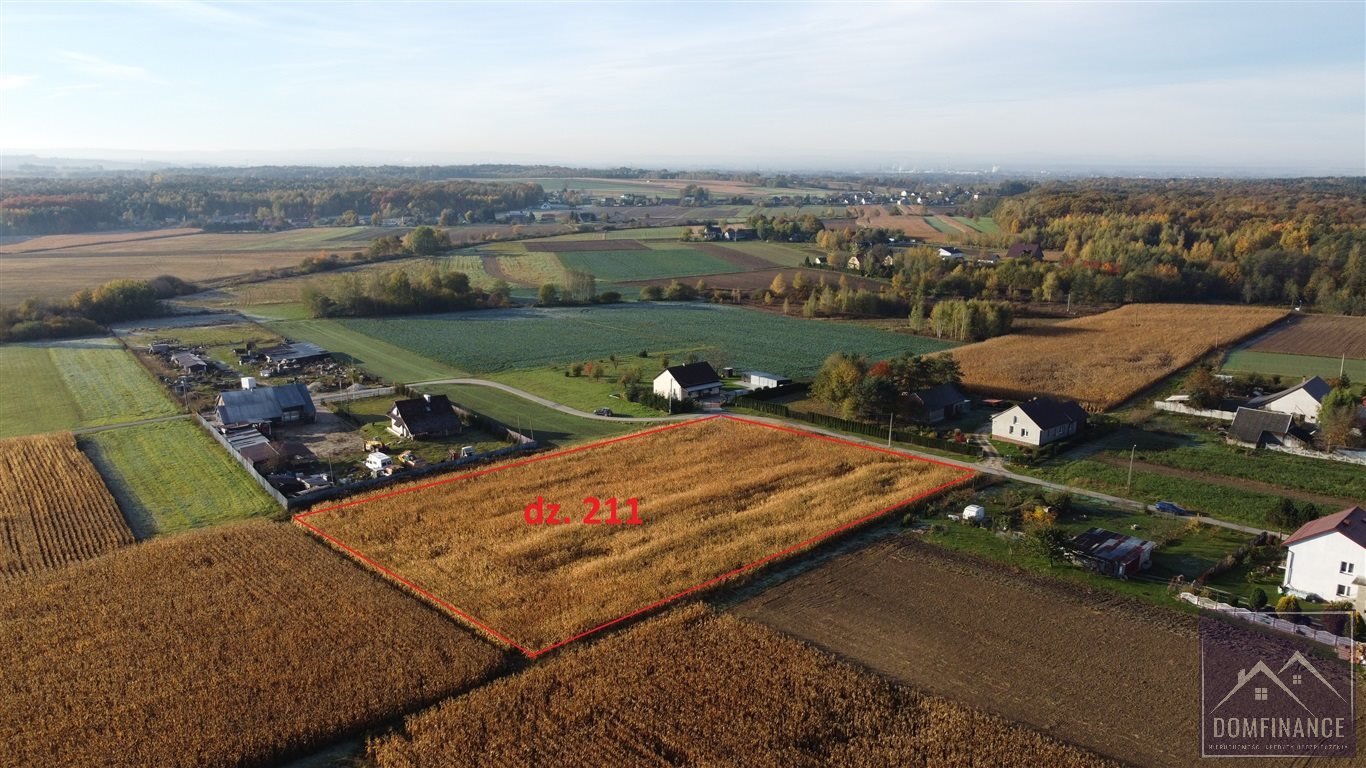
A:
(1300, 401)
(1327, 557)
(1038, 422)
(694, 380)
(951, 254)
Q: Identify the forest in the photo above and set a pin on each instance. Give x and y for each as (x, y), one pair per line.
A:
(47, 206)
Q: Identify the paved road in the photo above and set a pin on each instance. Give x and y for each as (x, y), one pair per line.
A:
(992, 465)
(121, 425)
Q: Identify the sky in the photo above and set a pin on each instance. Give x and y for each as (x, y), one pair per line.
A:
(1278, 88)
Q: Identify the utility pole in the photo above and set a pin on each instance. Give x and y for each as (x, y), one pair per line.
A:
(890, 418)
(1130, 481)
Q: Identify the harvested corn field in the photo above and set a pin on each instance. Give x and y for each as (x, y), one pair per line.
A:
(713, 497)
(1103, 360)
(692, 688)
(54, 508)
(237, 646)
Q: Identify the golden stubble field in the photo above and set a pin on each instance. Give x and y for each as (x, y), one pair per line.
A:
(54, 507)
(714, 496)
(695, 689)
(1102, 360)
(240, 645)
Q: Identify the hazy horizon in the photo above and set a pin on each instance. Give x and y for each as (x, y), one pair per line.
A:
(1237, 89)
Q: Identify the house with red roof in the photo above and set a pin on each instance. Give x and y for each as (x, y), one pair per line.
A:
(1327, 558)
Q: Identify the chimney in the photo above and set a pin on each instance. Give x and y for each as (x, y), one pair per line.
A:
(248, 382)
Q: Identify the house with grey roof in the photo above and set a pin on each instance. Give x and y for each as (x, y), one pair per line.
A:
(1301, 401)
(252, 404)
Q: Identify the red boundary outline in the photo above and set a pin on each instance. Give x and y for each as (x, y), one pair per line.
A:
(532, 654)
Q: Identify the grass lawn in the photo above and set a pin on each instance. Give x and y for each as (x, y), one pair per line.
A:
(1184, 548)
(500, 340)
(545, 424)
(1200, 453)
(47, 386)
(1215, 500)
(171, 476)
(583, 392)
(1293, 367)
(389, 362)
(646, 265)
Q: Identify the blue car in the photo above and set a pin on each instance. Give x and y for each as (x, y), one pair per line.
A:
(1170, 508)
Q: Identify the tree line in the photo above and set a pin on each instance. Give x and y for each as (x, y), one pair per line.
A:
(398, 291)
(45, 206)
(87, 311)
(877, 390)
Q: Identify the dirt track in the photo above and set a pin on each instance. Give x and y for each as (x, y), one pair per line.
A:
(1115, 676)
(1228, 482)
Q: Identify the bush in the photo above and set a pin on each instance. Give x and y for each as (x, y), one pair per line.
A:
(1336, 622)
(1288, 606)
(1259, 599)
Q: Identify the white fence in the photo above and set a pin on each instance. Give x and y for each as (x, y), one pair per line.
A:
(1342, 644)
(1345, 458)
(1163, 405)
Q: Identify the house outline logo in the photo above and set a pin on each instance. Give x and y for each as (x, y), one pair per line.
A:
(1245, 676)
(1251, 708)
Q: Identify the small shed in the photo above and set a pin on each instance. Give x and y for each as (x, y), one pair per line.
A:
(974, 513)
(1113, 554)
(190, 362)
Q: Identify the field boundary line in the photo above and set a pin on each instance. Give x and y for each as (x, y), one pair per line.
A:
(963, 475)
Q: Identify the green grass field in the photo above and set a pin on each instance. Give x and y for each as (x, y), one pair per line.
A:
(1225, 503)
(1293, 367)
(75, 383)
(1213, 457)
(583, 392)
(984, 224)
(942, 227)
(638, 233)
(503, 340)
(646, 265)
(385, 360)
(545, 424)
(780, 254)
(170, 476)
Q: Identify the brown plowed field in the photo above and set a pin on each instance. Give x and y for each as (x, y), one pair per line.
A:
(759, 280)
(58, 242)
(1109, 674)
(578, 246)
(744, 261)
(1319, 335)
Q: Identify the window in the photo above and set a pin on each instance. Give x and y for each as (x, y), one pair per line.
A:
(1012, 430)
(1347, 567)
(1024, 432)
(1296, 678)
(1344, 590)
(1014, 419)
(1259, 694)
